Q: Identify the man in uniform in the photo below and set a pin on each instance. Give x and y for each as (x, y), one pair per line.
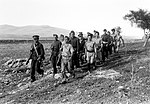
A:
(81, 47)
(61, 39)
(110, 43)
(55, 49)
(118, 41)
(114, 41)
(37, 55)
(97, 41)
(75, 44)
(104, 45)
(90, 51)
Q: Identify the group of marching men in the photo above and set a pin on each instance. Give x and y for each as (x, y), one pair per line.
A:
(69, 52)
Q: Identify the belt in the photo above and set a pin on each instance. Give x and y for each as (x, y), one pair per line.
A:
(90, 51)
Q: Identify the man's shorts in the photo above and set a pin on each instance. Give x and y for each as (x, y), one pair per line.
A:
(90, 57)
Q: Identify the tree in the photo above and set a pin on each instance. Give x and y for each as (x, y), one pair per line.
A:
(141, 18)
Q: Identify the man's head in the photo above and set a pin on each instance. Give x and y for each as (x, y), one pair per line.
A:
(36, 38)
(80, 36)
(66, 39)
(108, 32)
(96, 33)
(55, 36)
(89, 36)
(105, 31)
(72, 34)
(113, 30)
(61, 37)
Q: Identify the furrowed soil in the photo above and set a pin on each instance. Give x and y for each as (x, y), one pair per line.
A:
(132, 86)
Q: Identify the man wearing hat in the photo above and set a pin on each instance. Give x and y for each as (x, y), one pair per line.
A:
(118, 41)
(104, 45)
(37, 55)
(75, 44)
(55, 49)
(90, 51)
(97, 39)
(81, 47)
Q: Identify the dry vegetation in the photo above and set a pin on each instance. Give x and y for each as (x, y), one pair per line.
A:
(133, 87)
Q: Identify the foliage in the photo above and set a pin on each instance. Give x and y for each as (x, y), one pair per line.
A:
(141, 18)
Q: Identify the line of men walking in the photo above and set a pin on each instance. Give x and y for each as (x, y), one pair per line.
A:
(71, 52)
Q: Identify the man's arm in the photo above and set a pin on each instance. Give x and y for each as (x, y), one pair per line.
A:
(30, 55)
(146, 41)
(78, 45)
(42, 52)
(71, 51)
(122, 41)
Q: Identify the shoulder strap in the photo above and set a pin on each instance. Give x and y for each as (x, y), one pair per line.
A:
(35, 50)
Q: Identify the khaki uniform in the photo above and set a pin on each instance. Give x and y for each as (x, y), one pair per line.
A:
(98, 46)
(89, 45)
(67, 52)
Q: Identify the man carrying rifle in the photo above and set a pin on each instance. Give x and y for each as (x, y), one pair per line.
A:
(37, 55)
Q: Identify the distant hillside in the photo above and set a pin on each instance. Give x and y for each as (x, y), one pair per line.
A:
(26, 32)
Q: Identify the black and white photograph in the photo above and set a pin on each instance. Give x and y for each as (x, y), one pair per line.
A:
(74, 52)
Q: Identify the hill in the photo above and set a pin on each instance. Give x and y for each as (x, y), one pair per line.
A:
(26, 32)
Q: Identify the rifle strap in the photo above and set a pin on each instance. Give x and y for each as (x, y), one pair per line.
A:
(35, 50)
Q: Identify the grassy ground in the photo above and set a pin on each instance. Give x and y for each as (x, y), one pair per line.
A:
(133, 63)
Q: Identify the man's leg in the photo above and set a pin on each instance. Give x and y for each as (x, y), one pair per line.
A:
(76, 59)
(33, 70)
(72, 65)
(54, 60)
(38, 69)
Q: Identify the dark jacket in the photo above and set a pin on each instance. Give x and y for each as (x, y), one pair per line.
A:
(55, 47)
(75, 43)
(105, 38)
(40, 50)
(82, 45)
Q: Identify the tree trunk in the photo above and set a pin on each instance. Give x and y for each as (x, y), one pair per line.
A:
(145, 39)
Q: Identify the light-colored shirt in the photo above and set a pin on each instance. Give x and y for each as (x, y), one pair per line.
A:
(97, 41)
(67, 50)
(89, 45)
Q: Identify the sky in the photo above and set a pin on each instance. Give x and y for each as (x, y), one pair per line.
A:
(78, 15)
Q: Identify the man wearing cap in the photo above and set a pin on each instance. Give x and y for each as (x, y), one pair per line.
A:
(55, 49)
(37, 55)
(90, 51)
(104, 45)
(81, 47)
(75, 44)
(97, 41)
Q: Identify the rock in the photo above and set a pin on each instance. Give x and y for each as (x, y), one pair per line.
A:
(28, 71)
(57, 76)
(8, 70)
(20, 84)
(78, 91)
(120, 87)
(18, 63)
(48, 72)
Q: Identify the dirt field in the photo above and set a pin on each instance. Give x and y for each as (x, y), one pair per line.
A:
(131, 87)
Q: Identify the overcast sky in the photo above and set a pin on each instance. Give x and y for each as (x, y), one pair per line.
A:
(78, 15)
